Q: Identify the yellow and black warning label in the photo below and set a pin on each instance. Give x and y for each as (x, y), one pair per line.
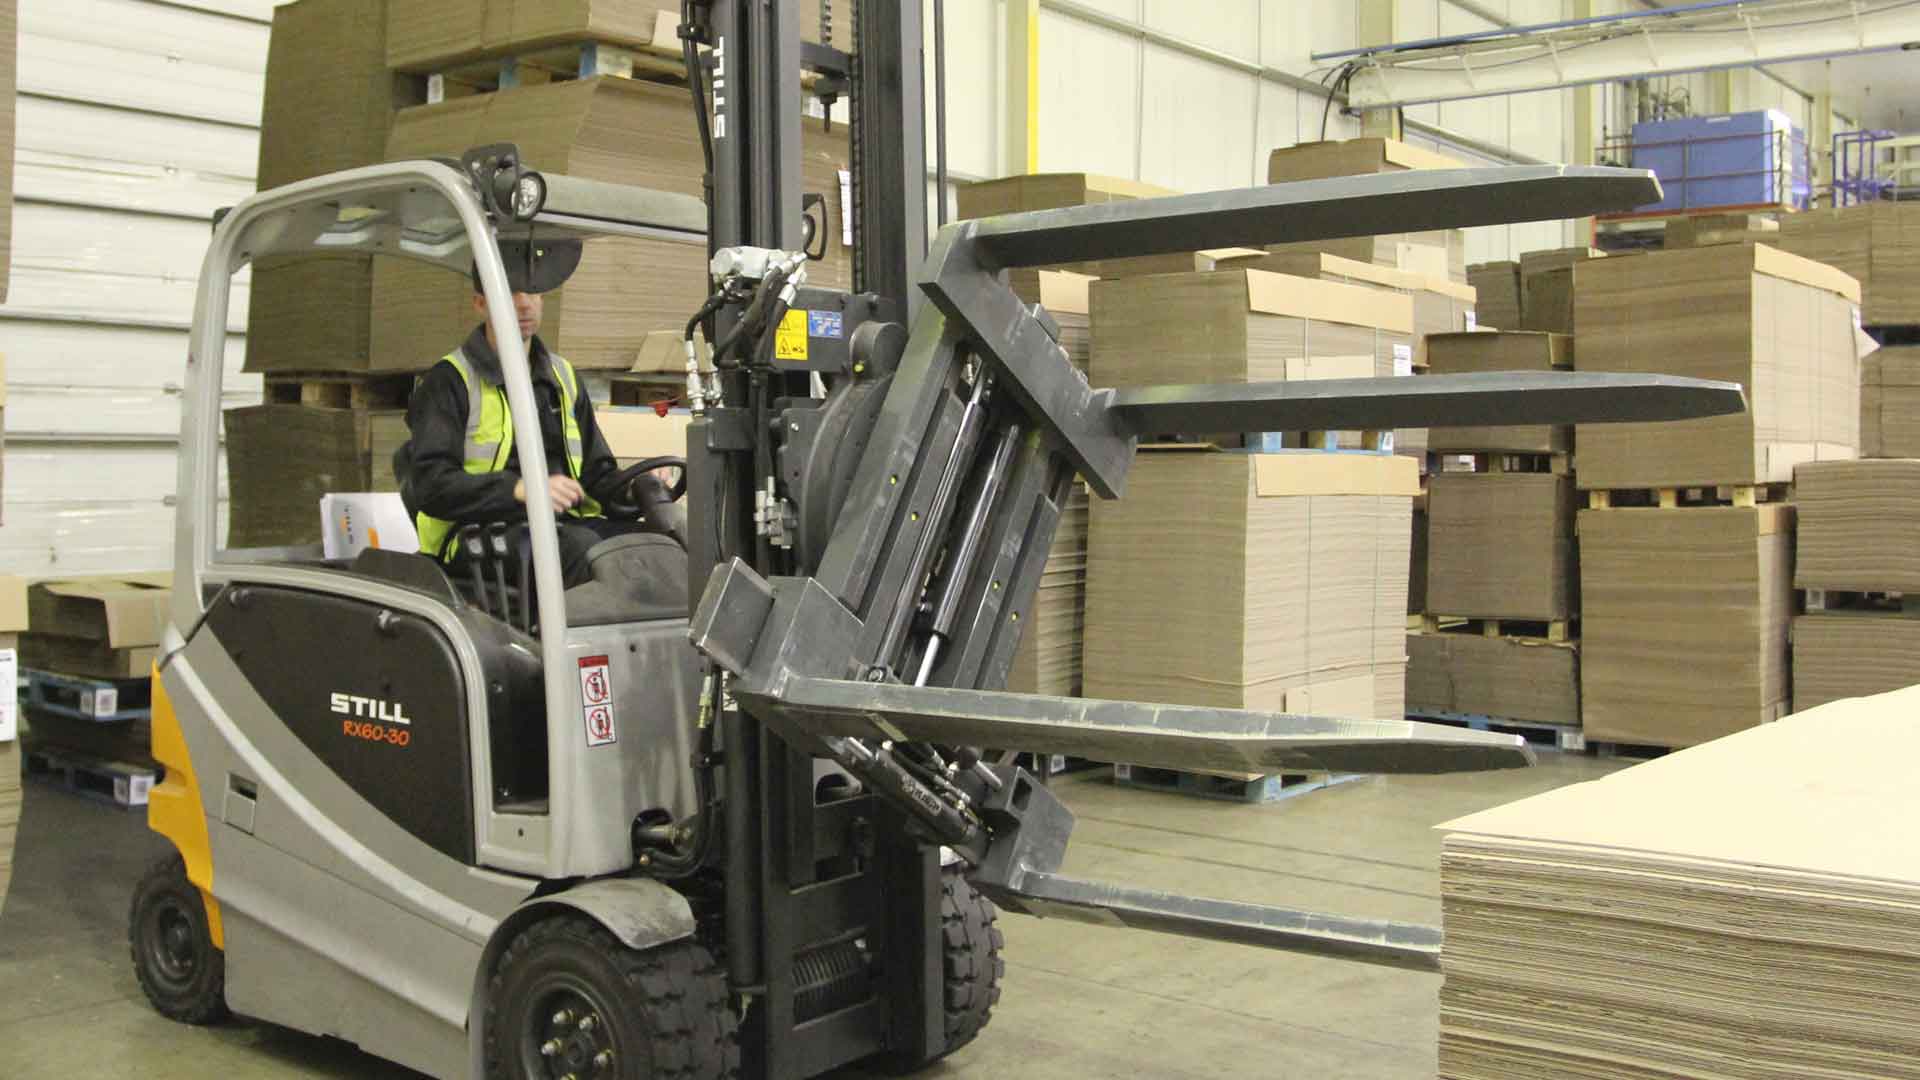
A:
(790, 338)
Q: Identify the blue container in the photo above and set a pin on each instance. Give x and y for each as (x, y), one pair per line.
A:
(1742, 159)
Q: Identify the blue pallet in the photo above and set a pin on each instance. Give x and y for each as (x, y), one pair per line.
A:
(1741, 159)
(103, 701)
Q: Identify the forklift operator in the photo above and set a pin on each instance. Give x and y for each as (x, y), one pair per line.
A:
(462, 466)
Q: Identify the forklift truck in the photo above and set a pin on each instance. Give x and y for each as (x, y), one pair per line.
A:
(724, 810)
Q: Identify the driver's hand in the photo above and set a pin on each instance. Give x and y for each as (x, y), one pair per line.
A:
(564, 492)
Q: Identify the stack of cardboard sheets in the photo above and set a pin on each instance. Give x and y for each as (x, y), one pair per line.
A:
(1235, 326)
(1500, 545)
(1705, 230)
(1066, 296)
(1738, 911)
(1779, 325)
(1497, 286)
(1890, 402)
(282, 458)
(1547, 285)
(1522, 679)
(1439, 253)
(1684, 620)
(1877, 243)
(97, 627)
(1857, 524)
(1273, 582)
(1475, 353)
(1048, 660)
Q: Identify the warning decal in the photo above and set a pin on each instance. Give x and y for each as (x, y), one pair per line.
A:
(596, 700)
(790, 337)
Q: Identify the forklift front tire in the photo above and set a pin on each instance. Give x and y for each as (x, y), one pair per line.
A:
(568, 998)
(182, 973)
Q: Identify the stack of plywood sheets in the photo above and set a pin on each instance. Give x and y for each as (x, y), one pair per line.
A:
(1497, 285)
(1890, 402)
(1048, 659)
(1858, 521)
(1781, 326)
(1739, 910)
(1273, 582)
(1234, 326)
(1684, 620)
(1878, 244)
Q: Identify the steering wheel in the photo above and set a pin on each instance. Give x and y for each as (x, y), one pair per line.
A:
(624, 481)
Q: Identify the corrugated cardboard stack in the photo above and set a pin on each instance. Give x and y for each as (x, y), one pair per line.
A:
(1877, 243)
(329, 103)
(1497, 286)
(100, 634)
(1049, 658)
(1440, 253)
(1706, 230)
(13, 619)
(1546, 287)
(1246, 326)
(1053, 191)
(1858, 561)
(1740, 910)
(1501, 555)
(1686, 609)
(1260, 581)
(1890, 402)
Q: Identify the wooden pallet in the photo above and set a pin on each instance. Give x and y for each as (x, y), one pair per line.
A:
(339, 390)
(1229, 787)
(1560, 464)
(1842, 602)
(103, 701)
(120, 783)
(1554, 630)
(1567, 737)
(1675, 498)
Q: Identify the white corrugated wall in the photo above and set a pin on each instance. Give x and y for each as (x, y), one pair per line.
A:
(137, 119)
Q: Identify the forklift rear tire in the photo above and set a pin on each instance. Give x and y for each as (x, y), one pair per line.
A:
(568, 998)
(174, 958)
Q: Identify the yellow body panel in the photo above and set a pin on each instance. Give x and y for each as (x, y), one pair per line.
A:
(174, 809)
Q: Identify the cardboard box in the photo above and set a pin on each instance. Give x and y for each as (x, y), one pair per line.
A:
(281, 459)
(1521, 679)
(356, 521)
(1497, 287)
(98, 627)
(611, 129)
(1500, 545)
(1878, 244)
(1271, 582)
(1852, 655)
(1350, 157)
(1469, 353)
(1777, 324)
(1858, 525)
(1890, 402)
(1684, 621)
(1047, 191)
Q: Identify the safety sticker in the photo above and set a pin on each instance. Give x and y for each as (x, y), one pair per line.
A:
(790, 337)
(596, 700)
(825, 324)
(1403, 360)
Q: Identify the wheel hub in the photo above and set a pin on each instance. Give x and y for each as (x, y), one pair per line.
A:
(170, 944)
(572, 1036)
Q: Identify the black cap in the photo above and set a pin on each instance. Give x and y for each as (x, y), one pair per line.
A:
(536, 266)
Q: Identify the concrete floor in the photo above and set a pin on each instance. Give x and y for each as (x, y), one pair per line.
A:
(1079, 1002)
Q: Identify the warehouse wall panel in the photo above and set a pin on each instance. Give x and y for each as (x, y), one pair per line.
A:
(1191, 149)
(1231, 26)
(116, 179)
(1089, 98)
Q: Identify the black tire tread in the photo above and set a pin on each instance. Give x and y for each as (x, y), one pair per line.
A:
(971, 943)
(677, 989)
(209, 1005)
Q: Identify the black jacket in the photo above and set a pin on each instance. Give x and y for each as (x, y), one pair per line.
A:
(437, 482)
